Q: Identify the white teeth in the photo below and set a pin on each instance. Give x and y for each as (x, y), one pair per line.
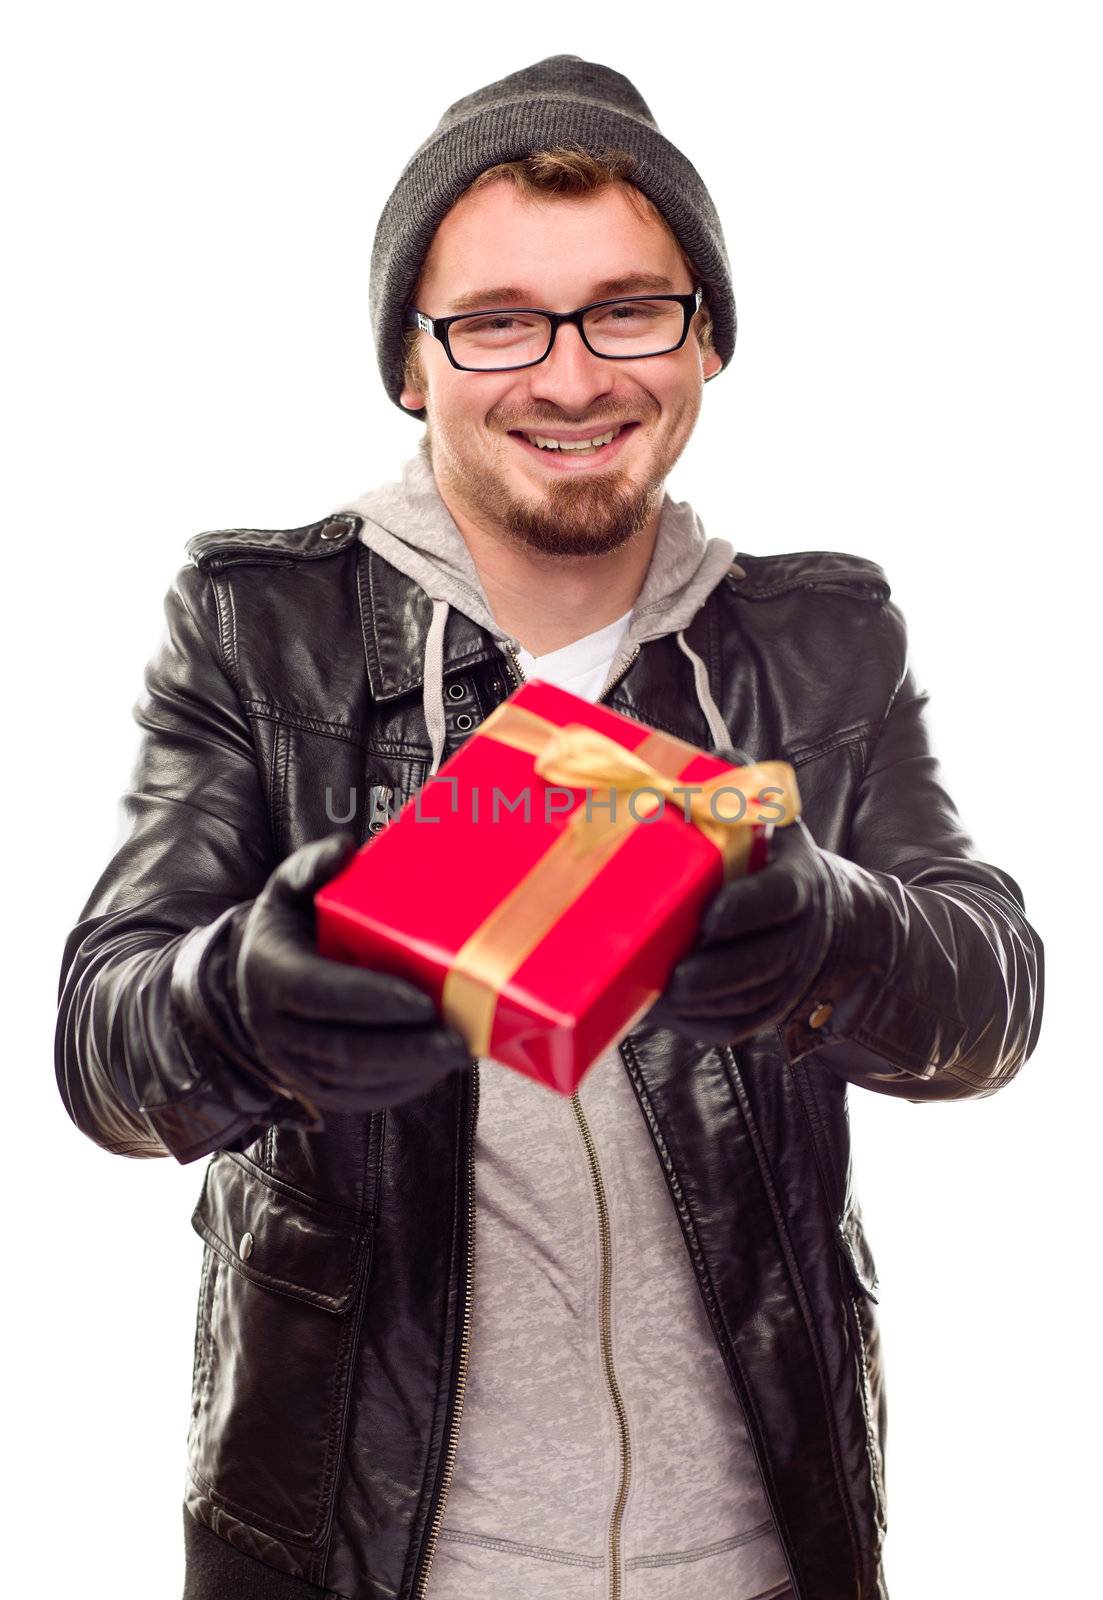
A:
(571, 444)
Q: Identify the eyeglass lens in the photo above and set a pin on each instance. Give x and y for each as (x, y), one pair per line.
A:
(510, 338)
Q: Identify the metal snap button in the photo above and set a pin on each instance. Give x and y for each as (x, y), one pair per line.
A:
(456, 691)
(820, 1015)
(245, 1248)
(465, 721)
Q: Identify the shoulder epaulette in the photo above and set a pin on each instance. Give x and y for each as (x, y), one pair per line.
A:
(228, 547)
(762, 577)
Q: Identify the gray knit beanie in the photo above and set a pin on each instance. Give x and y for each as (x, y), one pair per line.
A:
(560, 100)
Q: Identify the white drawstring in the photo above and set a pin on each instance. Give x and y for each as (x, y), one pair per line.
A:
(432, 682)
(718, 728)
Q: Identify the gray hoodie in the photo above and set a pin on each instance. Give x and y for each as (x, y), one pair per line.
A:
(602, 1453)
(408, 524)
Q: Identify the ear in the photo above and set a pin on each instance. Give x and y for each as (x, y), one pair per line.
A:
(710, 366)
(413, 399)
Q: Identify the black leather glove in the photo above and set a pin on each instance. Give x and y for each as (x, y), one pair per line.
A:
(762, 942)
(325, 1033)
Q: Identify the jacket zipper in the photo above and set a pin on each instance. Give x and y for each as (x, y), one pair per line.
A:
(465, 1348)
(469, 1271)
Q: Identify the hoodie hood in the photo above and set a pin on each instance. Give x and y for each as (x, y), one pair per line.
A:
(408, 524)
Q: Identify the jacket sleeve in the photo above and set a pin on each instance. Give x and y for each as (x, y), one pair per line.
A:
(933, 985)
(138, 1070)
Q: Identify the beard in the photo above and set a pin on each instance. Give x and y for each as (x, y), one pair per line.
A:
(585, 518)
(574, 515)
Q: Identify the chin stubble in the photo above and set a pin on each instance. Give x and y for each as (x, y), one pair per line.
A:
(577, 518)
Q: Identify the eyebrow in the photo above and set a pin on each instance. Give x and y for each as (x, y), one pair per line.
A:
(510, 295)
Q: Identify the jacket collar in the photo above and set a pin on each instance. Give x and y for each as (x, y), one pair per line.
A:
(395, 611)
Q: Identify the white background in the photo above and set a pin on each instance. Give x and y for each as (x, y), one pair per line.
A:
(910, 197)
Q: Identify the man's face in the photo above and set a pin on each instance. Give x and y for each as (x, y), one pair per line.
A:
(558, 253)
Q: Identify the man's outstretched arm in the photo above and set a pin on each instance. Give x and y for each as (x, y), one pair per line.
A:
(905, 963)
(952, 1007)
(136, 1072)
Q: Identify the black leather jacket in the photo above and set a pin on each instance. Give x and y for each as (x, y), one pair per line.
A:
(334, 1301)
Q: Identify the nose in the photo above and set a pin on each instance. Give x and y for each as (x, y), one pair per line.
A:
(571, 377)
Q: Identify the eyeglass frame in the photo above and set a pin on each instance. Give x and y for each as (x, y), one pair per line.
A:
(438, 327)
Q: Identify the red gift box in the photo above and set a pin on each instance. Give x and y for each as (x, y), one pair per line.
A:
(546, 927)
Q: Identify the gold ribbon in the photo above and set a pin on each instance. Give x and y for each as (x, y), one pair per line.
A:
(579, 757)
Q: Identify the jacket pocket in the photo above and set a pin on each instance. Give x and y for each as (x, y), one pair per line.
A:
(274, 1339)
(851, 1239)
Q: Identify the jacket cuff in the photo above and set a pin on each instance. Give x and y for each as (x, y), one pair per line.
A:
(204, 1008)
(201, 973)
(864, 953)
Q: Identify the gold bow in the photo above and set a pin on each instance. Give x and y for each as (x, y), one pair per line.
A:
(579, 757)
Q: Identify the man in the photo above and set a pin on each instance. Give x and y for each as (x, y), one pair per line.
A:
(458, 1337)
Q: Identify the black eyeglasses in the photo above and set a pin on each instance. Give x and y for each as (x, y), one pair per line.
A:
(522, 336)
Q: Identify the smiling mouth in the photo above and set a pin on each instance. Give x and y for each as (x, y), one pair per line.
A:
(587, 447)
